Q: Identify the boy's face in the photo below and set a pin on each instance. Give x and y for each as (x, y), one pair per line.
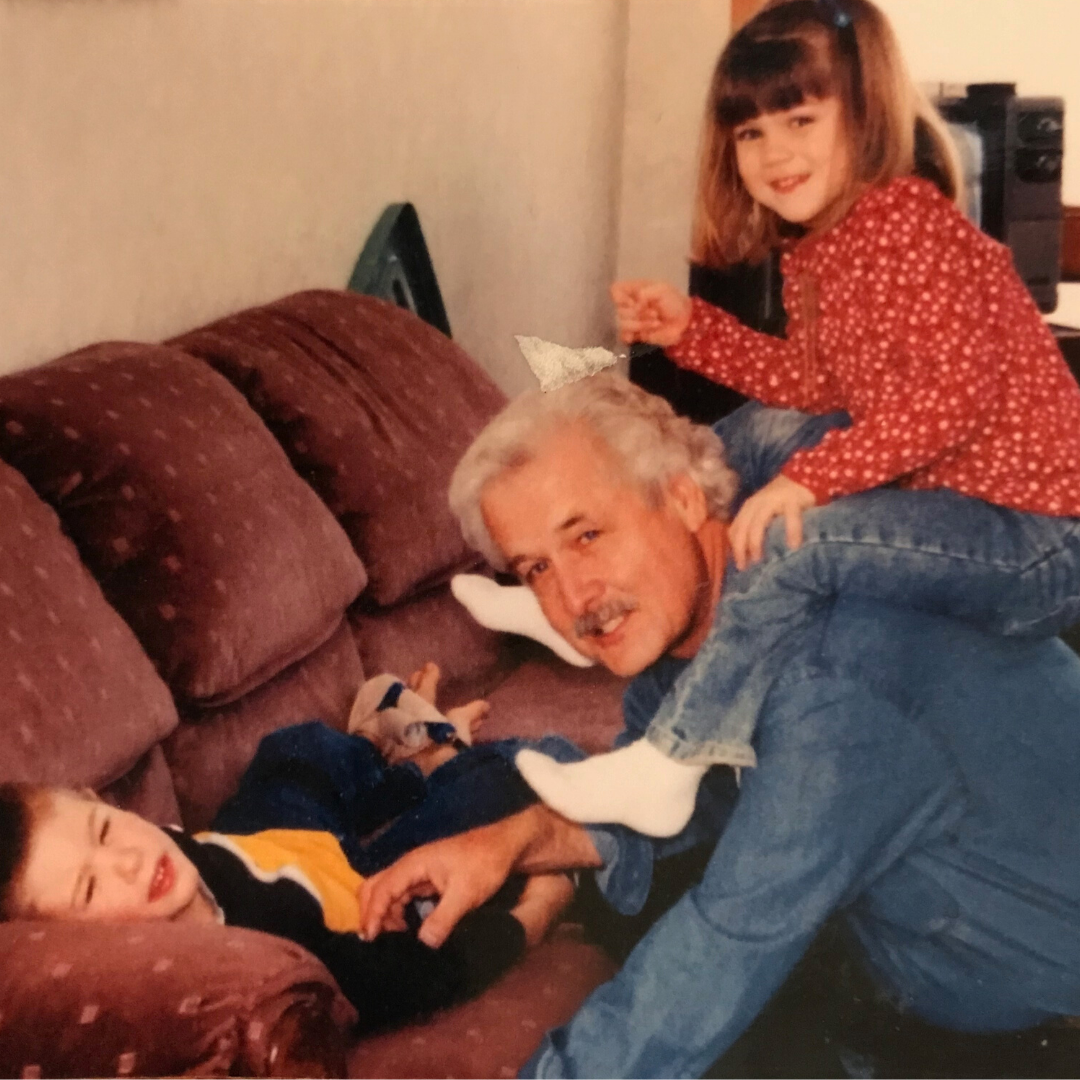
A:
(88, 860)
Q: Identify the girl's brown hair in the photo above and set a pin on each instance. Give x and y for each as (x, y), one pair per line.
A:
(791, 51)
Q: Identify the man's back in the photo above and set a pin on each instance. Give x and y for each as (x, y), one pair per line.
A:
(913, 774)
(994, 881)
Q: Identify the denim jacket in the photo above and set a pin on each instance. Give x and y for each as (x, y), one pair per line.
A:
(914, 774)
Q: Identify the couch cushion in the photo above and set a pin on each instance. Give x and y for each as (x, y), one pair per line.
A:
(211, 748)
(220, 558)
(402, 638)
(160, 999)
(546, 696)
(81, 700)
(495, 1034)
(147, 789)
(374, 408)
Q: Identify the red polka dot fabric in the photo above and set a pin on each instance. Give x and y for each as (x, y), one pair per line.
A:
(916, 323)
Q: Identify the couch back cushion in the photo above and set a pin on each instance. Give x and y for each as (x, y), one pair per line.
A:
(374, 408)
(210, 748)
(81, 701)
(220, 558)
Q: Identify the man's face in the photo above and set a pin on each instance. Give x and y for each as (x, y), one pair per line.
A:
(89, 861)
(623, 581)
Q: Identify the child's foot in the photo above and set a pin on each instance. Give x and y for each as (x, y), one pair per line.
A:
(512, 609)
(425, 682)
(636, 786)
(468, 719)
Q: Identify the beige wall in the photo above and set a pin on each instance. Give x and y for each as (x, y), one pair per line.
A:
(166, 161)
(672, 48)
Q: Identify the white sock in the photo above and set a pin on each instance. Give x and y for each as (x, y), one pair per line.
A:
(512, 609)
(636, 786)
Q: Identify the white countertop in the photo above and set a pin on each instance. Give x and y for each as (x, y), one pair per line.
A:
(1068, 309)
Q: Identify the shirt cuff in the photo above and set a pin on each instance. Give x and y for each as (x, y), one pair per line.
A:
(690, 348)
(625, 875)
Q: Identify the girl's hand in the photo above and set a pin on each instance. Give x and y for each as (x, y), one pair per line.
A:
(779, 497)
(650, 311)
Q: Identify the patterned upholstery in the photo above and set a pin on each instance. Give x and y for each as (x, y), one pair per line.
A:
(494, 1035)
(184, 509)
(210, 749)
(374, 407)
(153, 999)
(234, 577)
(434, 626)
(81, 700)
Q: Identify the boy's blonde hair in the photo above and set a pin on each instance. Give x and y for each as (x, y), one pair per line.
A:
(790, 51)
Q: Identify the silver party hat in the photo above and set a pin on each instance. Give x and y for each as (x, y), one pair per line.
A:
(556, 365)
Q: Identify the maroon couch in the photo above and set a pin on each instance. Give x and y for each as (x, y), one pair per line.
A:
(201, 542)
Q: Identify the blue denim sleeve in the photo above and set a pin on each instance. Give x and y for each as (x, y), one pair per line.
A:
(627, 857)
(835, 802)
(758, 440)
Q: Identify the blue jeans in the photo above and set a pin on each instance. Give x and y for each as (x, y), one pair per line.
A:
(1004, 571)
(310, 776)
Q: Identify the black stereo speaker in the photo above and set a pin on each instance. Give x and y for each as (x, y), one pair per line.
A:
(1019, 144)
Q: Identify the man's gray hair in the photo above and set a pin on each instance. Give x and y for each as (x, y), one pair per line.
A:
(641, 430)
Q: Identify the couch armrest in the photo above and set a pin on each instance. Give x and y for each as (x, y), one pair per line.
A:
(162, 999)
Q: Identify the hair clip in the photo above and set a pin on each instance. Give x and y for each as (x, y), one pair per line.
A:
(838, 15)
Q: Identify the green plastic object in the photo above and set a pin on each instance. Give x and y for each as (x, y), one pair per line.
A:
(395, 266)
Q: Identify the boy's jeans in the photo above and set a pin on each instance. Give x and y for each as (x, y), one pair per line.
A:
(310, 776)
(1005, 571)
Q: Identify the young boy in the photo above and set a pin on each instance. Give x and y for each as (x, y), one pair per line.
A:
(67, 855)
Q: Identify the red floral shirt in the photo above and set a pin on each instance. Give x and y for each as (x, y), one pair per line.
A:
(915, 322)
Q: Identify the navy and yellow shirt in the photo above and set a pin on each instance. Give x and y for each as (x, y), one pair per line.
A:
(297, 884)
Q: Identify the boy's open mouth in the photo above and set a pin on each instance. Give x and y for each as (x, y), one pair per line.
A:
(162, 881)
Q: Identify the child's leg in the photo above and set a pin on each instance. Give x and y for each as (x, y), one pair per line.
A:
(938, 551)
(476, 787)
(512, 609)
(311, 776)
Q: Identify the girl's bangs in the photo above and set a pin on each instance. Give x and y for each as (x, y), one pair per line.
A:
(770, 76)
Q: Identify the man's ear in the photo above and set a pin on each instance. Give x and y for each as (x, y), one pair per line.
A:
(688, 500)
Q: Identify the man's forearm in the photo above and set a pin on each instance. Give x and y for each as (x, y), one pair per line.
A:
(467, 869)
(542, 841)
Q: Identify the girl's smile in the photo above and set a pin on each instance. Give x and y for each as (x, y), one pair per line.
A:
(795, 162)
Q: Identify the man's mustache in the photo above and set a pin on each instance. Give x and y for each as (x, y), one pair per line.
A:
(591, 623)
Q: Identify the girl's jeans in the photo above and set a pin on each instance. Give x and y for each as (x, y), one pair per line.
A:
(1007, 572)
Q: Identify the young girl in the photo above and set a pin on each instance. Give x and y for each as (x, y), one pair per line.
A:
(901, 313)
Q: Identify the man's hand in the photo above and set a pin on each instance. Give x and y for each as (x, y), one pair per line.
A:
(778, 498)
(463, 871)
(650, 311)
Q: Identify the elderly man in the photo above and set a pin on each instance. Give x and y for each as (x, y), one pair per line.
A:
(915, 775)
